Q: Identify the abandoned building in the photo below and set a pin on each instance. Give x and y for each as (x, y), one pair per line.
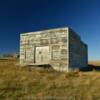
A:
(61, 48)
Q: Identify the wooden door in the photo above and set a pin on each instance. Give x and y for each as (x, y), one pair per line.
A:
(42, 55)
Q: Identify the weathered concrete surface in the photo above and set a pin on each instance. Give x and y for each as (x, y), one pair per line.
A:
(61, 48)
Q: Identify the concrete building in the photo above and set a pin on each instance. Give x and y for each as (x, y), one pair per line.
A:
(60, 48)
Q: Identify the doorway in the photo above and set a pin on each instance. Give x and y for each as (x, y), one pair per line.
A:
(42, 55)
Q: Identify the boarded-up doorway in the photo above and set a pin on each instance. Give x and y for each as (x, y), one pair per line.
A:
(42, 55)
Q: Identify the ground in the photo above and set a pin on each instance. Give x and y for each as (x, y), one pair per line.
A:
(36, 83)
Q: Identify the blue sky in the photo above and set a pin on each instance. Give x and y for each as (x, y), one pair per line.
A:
(17, 16)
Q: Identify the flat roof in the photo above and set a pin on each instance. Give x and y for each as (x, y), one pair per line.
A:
(45, 30)
(52, 29)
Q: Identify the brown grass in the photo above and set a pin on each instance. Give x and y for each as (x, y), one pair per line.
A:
(24, 83)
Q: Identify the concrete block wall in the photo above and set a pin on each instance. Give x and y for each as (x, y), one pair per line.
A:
(54, 39)
(62, 48)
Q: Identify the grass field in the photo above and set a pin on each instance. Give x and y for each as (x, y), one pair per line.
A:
(24, 83)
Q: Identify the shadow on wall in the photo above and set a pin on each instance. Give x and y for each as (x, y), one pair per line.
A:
(90, 68)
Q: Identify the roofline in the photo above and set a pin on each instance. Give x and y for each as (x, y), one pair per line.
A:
(50, 29)
(65, 27)
(78, 36)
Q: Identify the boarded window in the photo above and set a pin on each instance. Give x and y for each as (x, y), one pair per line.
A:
(55, 55)
(64, 54)
(55, 52)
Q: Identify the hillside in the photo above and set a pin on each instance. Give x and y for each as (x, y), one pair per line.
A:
(24, 83)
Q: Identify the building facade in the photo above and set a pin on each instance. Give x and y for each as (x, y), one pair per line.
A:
(60, 48)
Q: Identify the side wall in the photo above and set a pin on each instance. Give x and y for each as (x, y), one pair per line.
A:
(77, 52)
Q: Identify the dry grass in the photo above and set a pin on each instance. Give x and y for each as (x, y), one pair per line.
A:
(23, 83)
